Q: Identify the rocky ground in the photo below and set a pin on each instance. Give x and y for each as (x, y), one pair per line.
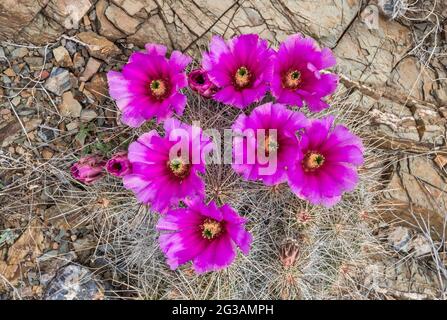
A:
(54, 106)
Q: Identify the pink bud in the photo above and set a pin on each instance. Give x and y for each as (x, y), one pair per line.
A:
(198, 81)
(88, 169)
(119, 165)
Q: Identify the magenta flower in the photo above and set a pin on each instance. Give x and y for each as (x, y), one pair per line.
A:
(88, 169)
(119, 165)
(327, 165)
(165, 169)
(266, 143)
(149, 85)
(204, 234)
(297, 73)
(199, 81)
(240, 67)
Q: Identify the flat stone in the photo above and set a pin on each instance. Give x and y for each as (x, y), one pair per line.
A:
(16, 101)
(19, 52)
(6, 80)
(131, 6)
(9, 72)
(399, 239)
(59, 81)
(46, 134)
(153, 28)
(70, 107)
(74, 282)
(13, 131)
(71, 47)
(47, 154)
(106, 28)
(34, 63)
(41, 75)
(91, 69)
(68, 13)
(15, 16)
(78, 60)
(421, 246)
(33, 31)
(122, 20)
(62, 57)
(98, 87)
(98, 46)
(88, 115)
(72, 125)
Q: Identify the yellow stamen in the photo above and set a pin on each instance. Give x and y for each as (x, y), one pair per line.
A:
(211, 229)
(242, 78)
(292, 79)
(158, 88)
(270, 145)
(312, 161)
(179, 167)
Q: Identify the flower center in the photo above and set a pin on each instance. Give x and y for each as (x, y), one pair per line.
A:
(312, 161)
(211, 229)
(117, 166)
(200, 79)
(158, 88)
(179, 168)
(242, 78)
(292, 79)
(270, 145)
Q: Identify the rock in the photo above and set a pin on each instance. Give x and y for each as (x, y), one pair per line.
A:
(98, 46)
(6, 80)
(399, 239)
(15, 16)
(132, 6)
(392, 9)
(106, 28)
(47, 154)
(71, 47)
(441, 161)
(50, 262)
(98, 87)
(23, 253)
(67, 13)
(78, 61)
(72, 126)
(35, 63)
(120, 19)
(26, 112)
(416, 194)
(88, 115)
(41, 75)
(397, 278)
(19, 53)
(359, 62)
(420, 246)
(9, 72)
(74, 282)
(70, 107)
(91, 69)
(62, 57)
(84, 246)
(154, 29)
(46, 134)
(59, 81)
(13, 131)
(16, 101)
(33, 31)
